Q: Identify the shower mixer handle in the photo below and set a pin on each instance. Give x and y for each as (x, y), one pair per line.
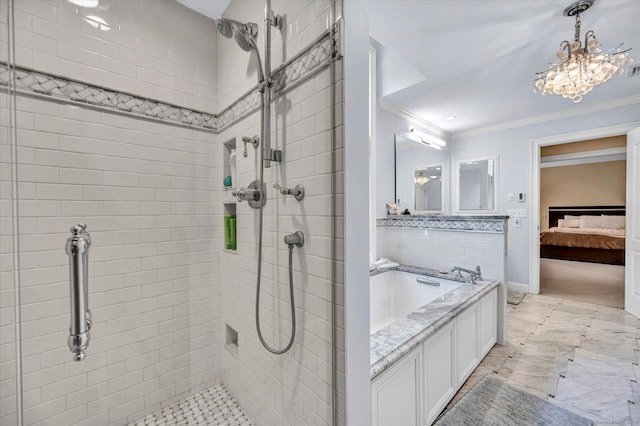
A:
(247, 194)
(253, 141)
(297, 192)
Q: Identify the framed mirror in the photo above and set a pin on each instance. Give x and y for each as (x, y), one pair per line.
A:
(419, 195)
(477, 188)
(427, 189)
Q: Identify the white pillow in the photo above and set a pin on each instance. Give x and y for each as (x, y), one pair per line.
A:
(568, 216)
(613, 222)
(590, 222)
(569, 223)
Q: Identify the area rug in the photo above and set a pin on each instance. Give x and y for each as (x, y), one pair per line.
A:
(492, 401)
(514, 297)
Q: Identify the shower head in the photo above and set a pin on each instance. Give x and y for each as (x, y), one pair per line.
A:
(244, 34)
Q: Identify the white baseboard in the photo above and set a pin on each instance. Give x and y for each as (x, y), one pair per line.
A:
(523, 288)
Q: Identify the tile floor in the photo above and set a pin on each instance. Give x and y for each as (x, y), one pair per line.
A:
(213, 406)
(580, 356)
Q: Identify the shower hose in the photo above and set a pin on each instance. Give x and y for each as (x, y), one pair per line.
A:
(293, 307)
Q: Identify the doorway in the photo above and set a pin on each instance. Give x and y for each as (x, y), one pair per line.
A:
(582, 220)
(537, 146)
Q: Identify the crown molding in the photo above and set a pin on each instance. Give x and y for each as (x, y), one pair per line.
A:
(394, 109)
(552, 116)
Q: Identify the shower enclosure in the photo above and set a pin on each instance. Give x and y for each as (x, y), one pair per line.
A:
(121, 119)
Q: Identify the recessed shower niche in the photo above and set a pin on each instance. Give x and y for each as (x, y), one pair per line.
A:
(229, 164)
(230, 227)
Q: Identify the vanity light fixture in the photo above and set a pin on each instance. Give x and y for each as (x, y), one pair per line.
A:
(581, 68)
(421, 179)
(426, 138)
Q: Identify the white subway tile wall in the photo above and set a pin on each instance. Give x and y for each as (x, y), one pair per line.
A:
(438, 249)
(157, 49)
(295, 388)
(153, 290)
(161, 286)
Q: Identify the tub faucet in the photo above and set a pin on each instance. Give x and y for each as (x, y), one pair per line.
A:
(473, 275)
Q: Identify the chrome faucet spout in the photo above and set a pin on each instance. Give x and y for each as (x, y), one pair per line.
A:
(473, 274)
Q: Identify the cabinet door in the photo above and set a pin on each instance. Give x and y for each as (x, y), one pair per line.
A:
(396, 393)
(467, 339)
(488, 322)
(439, 379)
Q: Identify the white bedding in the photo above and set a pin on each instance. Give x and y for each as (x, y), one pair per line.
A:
(597, 231)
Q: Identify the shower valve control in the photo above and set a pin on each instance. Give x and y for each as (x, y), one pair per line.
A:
(297, 192)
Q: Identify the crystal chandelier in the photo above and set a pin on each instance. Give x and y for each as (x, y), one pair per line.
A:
(582, 66)
(421, 179)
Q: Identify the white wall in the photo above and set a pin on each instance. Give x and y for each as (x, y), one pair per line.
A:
(513, 146)
(294, 388)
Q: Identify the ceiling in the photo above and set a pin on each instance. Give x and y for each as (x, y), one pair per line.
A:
(476, 60)
(209, 8)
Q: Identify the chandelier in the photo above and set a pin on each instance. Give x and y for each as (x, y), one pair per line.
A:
(421, 179)
(582, 67)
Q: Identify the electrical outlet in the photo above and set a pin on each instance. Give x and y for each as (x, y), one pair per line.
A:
(517, 222)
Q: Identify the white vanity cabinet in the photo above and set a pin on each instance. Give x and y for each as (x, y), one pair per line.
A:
(396, 393)
(439, 370)
(468, 343)
(488, 322)
(416, 389)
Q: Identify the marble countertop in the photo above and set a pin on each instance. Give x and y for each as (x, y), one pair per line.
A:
(391, 343)
(448, 217)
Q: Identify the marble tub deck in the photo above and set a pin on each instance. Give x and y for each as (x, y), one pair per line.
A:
(582, 357)
(391, 343)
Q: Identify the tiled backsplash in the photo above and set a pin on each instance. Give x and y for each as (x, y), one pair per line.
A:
(444, 242)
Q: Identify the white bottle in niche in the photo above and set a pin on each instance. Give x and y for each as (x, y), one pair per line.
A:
(232, 166)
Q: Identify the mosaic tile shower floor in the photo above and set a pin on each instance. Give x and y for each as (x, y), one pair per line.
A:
(213, 406)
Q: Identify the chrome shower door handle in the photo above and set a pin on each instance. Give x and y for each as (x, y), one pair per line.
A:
(77, 248)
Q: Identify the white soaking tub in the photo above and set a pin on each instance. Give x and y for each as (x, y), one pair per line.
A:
(395, 294)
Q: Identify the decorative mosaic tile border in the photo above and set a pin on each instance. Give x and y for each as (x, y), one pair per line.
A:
(65, 89)
(304, 65)
(213, 406)
(494, 224)
(299, 68)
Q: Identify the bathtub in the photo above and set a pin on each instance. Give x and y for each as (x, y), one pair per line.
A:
(395, 294)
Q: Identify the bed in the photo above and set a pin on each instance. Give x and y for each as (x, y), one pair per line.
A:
(586, 233)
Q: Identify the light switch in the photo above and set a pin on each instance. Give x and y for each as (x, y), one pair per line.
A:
(517, 212)
(511, 196)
